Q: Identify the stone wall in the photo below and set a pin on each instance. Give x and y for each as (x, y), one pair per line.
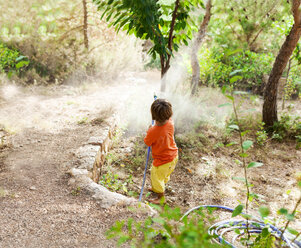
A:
(104, 147)
(91, 156)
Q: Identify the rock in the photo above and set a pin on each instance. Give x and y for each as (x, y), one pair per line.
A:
(95, 141)
(87, 151)
(78, 172)
(33, 188)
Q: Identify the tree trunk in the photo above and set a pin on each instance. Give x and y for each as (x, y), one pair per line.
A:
(286, 81)
(195, 48)
(164, 69)
(165, 62)
(86, 40)
(269, 111)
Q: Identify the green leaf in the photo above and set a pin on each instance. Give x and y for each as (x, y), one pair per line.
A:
(123, 239)
(239, 179)
(230, 97)
(235, 72)
(244, 133)
(237, 92)
(231, 144)
(234, 127)
(21, 58)
(232, 52)
(254, 165)
(237, 210)
(292, 231)
(244, 155)
(282, 211)
(235, 78)
(290, 217)
(159, 220)
(265, 232)
(264, 211)
(224, 105)
(21, 64)
(247, 144)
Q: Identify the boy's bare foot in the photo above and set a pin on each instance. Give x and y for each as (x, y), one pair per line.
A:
(155, 201)
(150, 189)
(160, 199)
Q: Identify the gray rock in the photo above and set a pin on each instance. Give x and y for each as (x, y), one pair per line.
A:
(95, 141)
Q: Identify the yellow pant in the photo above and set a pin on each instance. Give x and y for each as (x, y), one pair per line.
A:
(160, 175)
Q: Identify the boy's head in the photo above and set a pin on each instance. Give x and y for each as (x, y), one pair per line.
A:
(161, 110)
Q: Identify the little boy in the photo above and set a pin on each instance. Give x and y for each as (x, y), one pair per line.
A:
(164, 149)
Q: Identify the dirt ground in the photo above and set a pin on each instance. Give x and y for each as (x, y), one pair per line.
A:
(206, 174)
(45, 125)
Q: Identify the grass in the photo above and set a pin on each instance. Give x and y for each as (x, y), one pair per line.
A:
(82, 121)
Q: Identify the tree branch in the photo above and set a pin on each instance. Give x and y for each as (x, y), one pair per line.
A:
(296, 11)
(172, 25)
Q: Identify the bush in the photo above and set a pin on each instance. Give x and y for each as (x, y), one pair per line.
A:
(218, 64)
(11, 60)
(166, 231)
(51, 36)
(288, 127)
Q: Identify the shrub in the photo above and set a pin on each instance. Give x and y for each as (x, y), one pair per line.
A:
(50, 34)
(165, 230)
(217, 65)
(288, 127)
(11, 60)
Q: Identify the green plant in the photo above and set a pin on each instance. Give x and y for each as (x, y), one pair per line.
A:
(112, 181)
(217, 65)
(165, 230)
(11, 60)
(245, 145)
(261, 135)
(82, 121)
(288, 127)
(166, 23)
(76, 192)
(265, 238)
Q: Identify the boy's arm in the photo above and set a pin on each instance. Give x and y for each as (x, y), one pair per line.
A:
(148, 140)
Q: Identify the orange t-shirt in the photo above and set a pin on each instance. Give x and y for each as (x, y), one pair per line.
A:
(161, 139)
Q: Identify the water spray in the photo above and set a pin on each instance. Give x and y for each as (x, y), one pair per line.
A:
(147, 158)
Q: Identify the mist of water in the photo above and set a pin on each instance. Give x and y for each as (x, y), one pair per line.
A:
(187, 110)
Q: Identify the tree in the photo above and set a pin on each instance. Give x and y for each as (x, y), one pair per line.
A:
(165, 23)
(85, 29)
(195, 48)
(269, 111)
(246, 23)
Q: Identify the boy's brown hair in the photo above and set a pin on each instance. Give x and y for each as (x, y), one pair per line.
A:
(161, 110)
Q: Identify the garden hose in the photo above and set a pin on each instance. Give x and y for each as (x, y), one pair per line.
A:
(255, 226)
(147, 158)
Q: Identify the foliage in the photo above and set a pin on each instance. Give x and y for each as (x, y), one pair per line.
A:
(217, 64)
(112, 182)
(166, 23)
(265, 238)
(288, 127)
(11, 60)
(50, 34)
(261, 135)
(165, 230)
(246, 23)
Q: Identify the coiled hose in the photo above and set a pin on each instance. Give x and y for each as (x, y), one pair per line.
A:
(255, 226)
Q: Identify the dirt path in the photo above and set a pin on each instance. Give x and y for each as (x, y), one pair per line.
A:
(37, 207)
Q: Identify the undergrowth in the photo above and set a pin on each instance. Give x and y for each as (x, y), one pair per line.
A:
(166, 230)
